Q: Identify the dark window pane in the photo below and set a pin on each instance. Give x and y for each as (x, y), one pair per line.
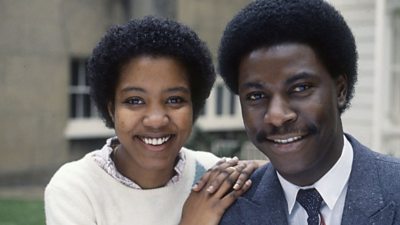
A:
(74, 72)
(86, 106)
(220, 96)
(72, 104)
(203, 110)
(84, 69)
(232, 105)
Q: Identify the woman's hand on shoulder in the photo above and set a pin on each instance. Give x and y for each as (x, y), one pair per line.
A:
(215, 176)
(219, 187)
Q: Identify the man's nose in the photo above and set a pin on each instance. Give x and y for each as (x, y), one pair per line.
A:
(279, 112)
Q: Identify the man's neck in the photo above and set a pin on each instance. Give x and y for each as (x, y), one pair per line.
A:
(315, 172)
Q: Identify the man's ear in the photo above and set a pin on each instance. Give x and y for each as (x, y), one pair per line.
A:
(341, 90)
(110, 107)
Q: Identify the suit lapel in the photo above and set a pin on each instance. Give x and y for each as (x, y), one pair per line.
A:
(364, 200)
(268, 205)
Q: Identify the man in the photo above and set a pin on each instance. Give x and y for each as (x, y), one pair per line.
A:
(293, 64)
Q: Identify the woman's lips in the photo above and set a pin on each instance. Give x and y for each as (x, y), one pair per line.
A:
(155, 141)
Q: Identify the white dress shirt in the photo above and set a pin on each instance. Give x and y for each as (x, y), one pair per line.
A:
(332, 187)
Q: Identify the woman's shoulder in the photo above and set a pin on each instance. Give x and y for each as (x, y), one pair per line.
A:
(207, 159)
(74, 172)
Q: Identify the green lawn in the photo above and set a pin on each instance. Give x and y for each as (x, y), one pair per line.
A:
(21, 212)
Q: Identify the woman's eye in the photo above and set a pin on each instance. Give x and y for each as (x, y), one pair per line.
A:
(134, 101)
(255, 96)
(175, 100)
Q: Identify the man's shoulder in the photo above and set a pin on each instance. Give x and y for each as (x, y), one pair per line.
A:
(384, 169)
(383, 162)
(236, 214)
(256, 179)
(388, 169)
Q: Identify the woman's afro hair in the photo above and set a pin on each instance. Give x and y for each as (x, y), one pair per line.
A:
(265, 23)
(149, 36)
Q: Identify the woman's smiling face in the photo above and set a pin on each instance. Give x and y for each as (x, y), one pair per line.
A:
(152, 111)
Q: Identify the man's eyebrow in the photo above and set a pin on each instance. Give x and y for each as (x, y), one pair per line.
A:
(251, 84)
(292, 79)
(300, 76)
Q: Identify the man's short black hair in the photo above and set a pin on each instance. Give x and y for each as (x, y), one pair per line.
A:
(265, 23)
(149, 36)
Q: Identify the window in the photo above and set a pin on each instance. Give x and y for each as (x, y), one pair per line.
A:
(225, 101)
(394, 80)
(222, 110)
(390, 139)
(81, 105)
(84, 123)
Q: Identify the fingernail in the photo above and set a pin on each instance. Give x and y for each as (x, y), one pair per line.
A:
(235, 158)
(236, 186)
(231, 169)
(210, 189)
(195, 186)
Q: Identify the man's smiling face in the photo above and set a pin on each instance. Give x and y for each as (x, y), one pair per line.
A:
(290, 106)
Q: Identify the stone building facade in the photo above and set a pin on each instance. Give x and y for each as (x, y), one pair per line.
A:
(45, 118)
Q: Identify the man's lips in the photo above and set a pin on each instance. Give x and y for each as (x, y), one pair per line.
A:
(285, 139)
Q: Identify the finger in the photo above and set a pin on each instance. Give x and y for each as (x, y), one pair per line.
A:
(216, 182)
(233, 161)
(202, 182)
(215, 178)
(245, 174)
(242, 178)
(231, 197)
(226, 162)
(240, 166)
(227, 184)
(222, 165)
(207, 175)
(222, 160)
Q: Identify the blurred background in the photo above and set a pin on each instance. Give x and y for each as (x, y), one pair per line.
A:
(47, 118)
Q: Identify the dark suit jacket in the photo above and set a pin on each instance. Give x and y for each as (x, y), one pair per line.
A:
(373, 195)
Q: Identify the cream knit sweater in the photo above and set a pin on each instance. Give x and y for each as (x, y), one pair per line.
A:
(81, 193)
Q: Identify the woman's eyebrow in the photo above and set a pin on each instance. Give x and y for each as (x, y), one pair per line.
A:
(132, 88)
(178, 89)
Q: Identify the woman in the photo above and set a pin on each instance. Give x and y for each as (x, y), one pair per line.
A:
(149, 80)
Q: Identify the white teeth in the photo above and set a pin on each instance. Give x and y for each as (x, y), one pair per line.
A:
(155, 141)
(285, 141)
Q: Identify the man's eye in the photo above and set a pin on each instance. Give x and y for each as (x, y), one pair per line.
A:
(134, 101)
(175, 100)
(300, 88)
(255, 96)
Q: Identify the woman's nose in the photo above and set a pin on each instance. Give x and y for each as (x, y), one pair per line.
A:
(156, 118)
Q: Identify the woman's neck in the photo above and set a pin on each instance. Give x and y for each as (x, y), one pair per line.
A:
(145, 178)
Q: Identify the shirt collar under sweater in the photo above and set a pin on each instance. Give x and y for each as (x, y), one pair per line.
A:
(104, 160)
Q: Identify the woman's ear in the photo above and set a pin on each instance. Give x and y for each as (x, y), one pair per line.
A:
(110, 107)
(341, 90)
